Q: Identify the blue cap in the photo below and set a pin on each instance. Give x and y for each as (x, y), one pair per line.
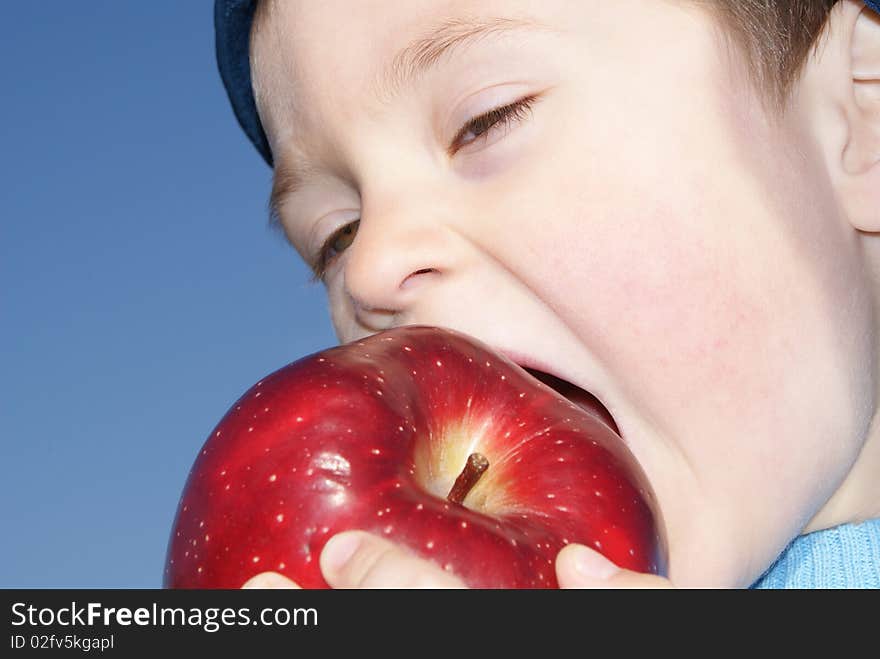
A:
(232, 29)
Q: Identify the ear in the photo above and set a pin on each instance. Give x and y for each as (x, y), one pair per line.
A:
(845, 77)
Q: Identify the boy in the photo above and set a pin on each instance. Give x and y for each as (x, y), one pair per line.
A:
(672, 203)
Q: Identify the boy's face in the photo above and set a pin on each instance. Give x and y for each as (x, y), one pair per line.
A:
(643, 230)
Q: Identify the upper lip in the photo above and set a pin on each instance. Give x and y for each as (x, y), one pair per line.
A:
(529, 361)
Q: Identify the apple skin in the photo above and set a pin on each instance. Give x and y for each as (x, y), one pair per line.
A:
(371, 435)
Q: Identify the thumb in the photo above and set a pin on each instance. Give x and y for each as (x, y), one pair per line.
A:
(578, 566)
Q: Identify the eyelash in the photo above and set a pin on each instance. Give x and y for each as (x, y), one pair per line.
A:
(504, 116)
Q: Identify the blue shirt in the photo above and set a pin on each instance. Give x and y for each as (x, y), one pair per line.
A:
(846, 556)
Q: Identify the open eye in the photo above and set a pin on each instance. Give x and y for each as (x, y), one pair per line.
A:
(337, 243)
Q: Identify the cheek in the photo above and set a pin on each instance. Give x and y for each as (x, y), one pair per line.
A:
(717, 322)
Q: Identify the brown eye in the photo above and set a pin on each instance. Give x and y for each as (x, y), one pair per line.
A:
(337, 243)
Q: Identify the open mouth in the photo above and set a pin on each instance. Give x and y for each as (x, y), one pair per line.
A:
(580, 397)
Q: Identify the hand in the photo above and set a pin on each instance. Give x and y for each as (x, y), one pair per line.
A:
(356, 559)
(578, 566)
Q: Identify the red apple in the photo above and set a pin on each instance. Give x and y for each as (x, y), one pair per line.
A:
(391, 435)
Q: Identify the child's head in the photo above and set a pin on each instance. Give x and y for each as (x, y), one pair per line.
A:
(666, 202)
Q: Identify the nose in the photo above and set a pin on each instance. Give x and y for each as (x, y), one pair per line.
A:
(402, 251)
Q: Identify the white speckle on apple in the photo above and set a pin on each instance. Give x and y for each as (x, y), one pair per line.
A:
(223, 472)
(273, 478)
(565, 541)
(448, 567)
(380, 379)
(379, 513)
(258, 394)
(199, 569)
(560, 459)
(282, 565)
(469, 400)
(388, 529)
(379, 393)
(503, 377)
(522, 395)
(632, 552)
(429, 544)
(265, 409)
(400, 428)
(321, 360)
(194, 541)
(177, 534)
(251, 429)
(207, 537)
(218, 434)
(310, 471)
(513, 542)
(186, 554)
(551, 496)
(420, 507)
(407, 348)
(255, 559)
(464, 525)
(299, 419)
(562, 509)
(349, 431)
(439, 363)
(598, 493)
(375, 451)
(597, 544)
(202, 524)
(559, 441)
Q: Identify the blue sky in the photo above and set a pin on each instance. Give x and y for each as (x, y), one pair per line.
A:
(142, 291)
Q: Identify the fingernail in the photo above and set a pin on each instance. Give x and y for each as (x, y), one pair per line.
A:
(269, 580)
(593, 565)
(339, 550)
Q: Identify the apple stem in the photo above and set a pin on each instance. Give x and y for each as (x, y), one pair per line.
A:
(473, 469)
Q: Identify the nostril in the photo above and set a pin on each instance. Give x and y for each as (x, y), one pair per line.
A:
(423, 271)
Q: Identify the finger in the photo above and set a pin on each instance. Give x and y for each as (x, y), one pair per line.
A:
(270, 580)
(578, 566)
(356, 559)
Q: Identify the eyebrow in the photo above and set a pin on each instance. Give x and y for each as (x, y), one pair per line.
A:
(406, 68)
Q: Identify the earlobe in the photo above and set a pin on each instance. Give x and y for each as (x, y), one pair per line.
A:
(861, 156)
